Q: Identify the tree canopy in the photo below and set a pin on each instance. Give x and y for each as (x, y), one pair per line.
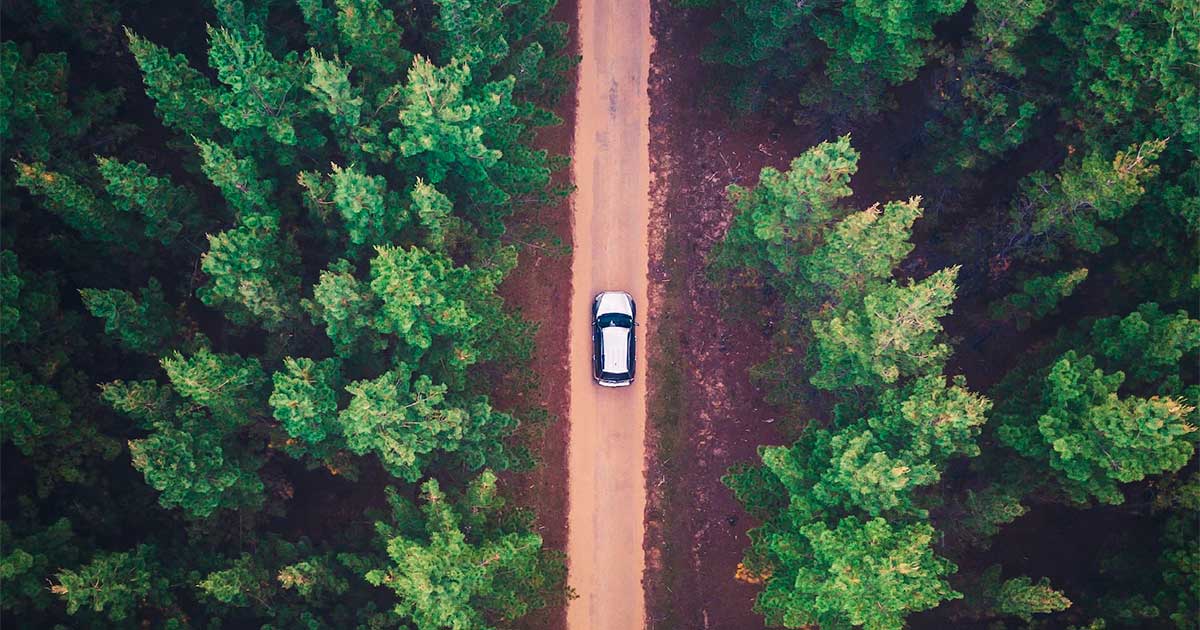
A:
(251, 258)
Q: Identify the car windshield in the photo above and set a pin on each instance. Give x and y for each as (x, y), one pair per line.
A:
(615, 319)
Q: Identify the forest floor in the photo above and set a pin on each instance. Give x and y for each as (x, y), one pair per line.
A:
(705, 414)
(540, 288)
(611, 214)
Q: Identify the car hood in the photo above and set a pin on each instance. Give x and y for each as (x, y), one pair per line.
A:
(614, 302)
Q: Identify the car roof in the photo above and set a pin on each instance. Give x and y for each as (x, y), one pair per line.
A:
(614, 302)
(616, 349)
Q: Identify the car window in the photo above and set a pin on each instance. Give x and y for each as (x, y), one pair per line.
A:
(615, 319)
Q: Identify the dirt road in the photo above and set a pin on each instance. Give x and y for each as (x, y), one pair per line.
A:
(611, 208)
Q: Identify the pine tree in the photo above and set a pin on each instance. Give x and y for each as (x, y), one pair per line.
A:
(373, 216)
(1071, 208)
(162, 206)
(76, 204)
(425, 297)
(305, 398)
(191, 467)
(862, 47)
(138, 325)
(28, 562)
(231, 388)
(1096, 439)
(786, 213)
(329, 84)
(237, 179)
(117, 584)
(893, 337)
(347, 307)
(861, 248)
(443, 128)
(184, 99)
(989, 596)
(369, 36)
(258, 85)
(988, 99)
(249, 273)
(867, 574)
(404, 420)
(42, 118)
(1039, 296)
(448, 575)
(44, 426)
(878, 39)
(1150, 346)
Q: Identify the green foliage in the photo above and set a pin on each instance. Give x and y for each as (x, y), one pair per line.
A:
(786, 212)
(249, 276)
(372, 215)
(313, 578)
(305, 398)
(448, 574)
(116, 584)
(1103, 92)
(45, 428)
(28, 561)
(859, 574)
(217, 396)
(369, 36)
(163, 207)
(987, 102)
(1179, 599)
(75, 203)
(346, 306)
(874, 465)
(330, 85)
(258, 84)
(1132, 79)
(1018, 597)
(1070, 209)
(422, 296)
(138, 325)
(230, 387)
(982, 513)
(893, 337)
(39, 119)
(862, 46)
(1022, 598)
(861, 248)
(1039, 296)
(403, 420)
(191, 467)
(1096, 439)
(443, 128)
(472, 32)
(235, 585)
(871, 467)
(295, 584)
(193, 455)
(434, 212)
(1149, 345)
(183, 97)
(237, 179)
(872, 41)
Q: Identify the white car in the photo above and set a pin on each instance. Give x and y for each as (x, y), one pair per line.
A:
(614, 341)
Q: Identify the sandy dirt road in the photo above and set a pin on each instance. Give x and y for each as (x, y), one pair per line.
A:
(611, 209)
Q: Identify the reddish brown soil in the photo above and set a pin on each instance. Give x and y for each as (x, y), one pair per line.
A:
(705, 414)
(540, 288)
